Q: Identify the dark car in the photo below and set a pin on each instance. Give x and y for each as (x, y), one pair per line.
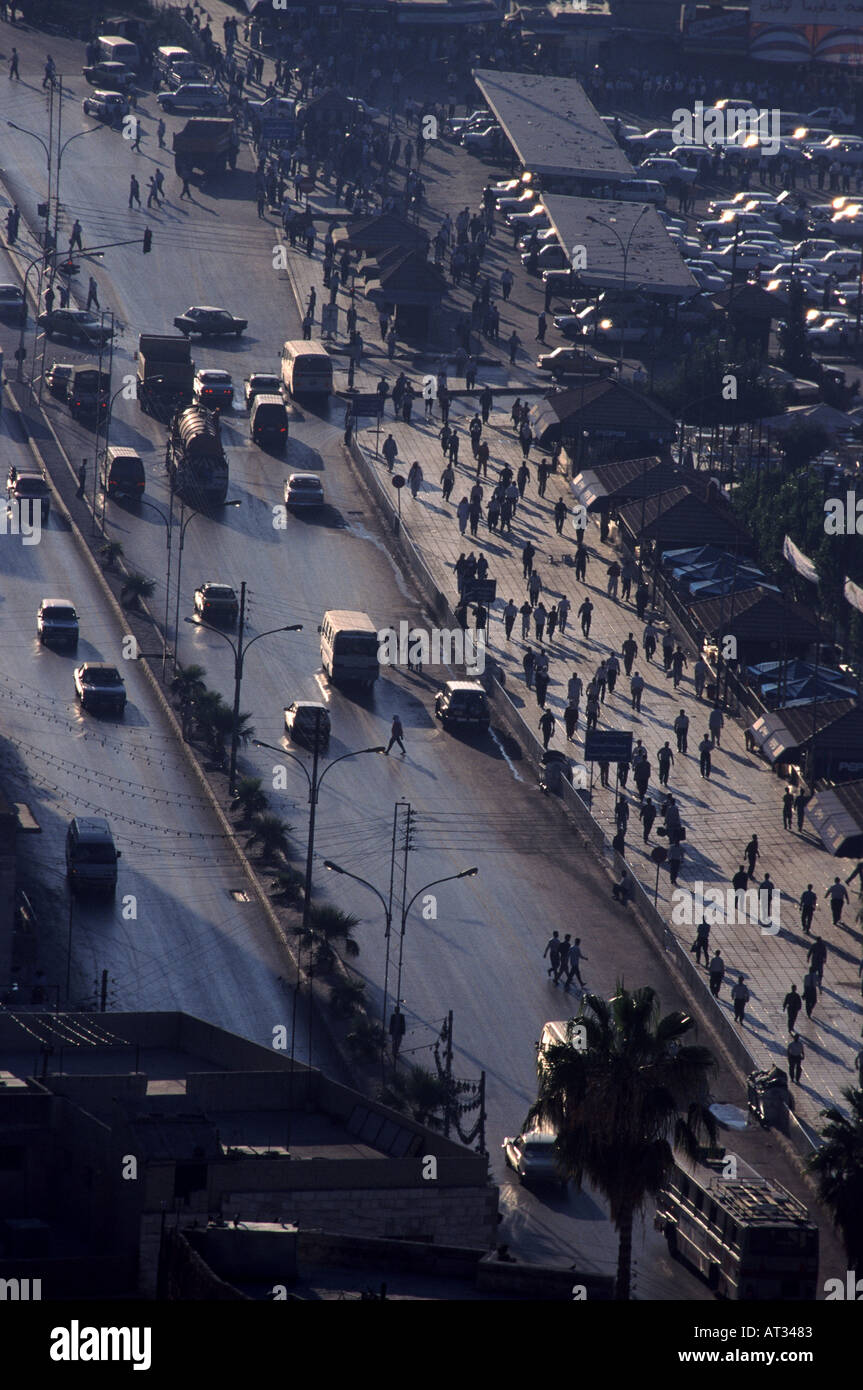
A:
(305, 720)
(216, 603)
(57, 622)
(261, 384)
(87, 392)
(29, 487)
(112, 77)
(462, 705)
(12, 303)
(57, 378)
(79, 325)
(99, 687)
(210, 322)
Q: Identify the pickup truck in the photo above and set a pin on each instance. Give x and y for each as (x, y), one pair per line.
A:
(87, 392)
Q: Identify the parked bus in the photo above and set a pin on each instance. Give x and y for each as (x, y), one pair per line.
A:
(349, 647)
(307, 369)
(747, 1235)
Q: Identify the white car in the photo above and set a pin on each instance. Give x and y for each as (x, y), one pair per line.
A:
(834, 116)
(713, 284)
(481, 141)
(304, 490)
(538, 218)
(667, 170)
(833, 332)
(844, 262)
(519, 202)
(533, 1158)
(459, 124)
(199, 96)
(548, 257)
(659, 138)
(213, 389)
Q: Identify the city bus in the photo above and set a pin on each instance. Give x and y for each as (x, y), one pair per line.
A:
(349, 647)
(746, 1235)
(307, 369)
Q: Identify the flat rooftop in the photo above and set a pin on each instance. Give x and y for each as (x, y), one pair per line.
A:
(552, 125)
(600, 225)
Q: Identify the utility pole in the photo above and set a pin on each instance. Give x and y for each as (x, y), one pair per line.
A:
(238, 680)
(448, 1075)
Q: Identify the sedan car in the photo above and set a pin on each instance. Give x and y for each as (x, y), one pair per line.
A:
(12, 303)
(304, 490)
(562, 360)
(481, 141)
(833, 332)
(110, 77)
(209, 322)
(32, 487)
(462, 705)
(99, 687)
(517, 202)
(106, 106)
(197, 96)
(182, 72)
(261, 384)
(667, 170)
(533, 1158)
(57, 622)
(216, 603)
(537, 217)
(57, 379)
(551, 256)
(79, 325)
(458, 124)
(307, 721)
(213, 388)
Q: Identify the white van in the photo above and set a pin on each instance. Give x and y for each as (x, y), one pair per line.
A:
(168, 57)
(640, 191)
(113, 49)
(349, 647)
(307, 368)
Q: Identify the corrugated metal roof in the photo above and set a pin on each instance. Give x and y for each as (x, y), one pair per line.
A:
(653, 262)
(786, 731)
(679, 517)
(552, 125)
(599, 406)
(837, 814)
(755, 615)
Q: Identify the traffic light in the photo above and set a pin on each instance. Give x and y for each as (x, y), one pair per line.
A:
(148, 240)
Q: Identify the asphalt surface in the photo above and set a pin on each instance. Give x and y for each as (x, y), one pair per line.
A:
(192, 946)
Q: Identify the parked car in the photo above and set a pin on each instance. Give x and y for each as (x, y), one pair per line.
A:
(304, 490)
(532, 1156)
(306, 720)
(216, 603)
(110, 77)
(198, 96)
(458, 124)
(517, 202)
(13, 305)
(57, 622)
(78, 325)
(667, 170)
(209, 322)
(833, 332)
(261, 384)
(563, 360)
(537, 217)
(551, 255)
(29, 486)
(834, 116)
(99, 687)
(106, 106)
(213, 388)
(180, 73)
(481, 141)
(462, 705)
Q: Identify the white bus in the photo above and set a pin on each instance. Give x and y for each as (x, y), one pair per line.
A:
(349, 647)
(307, 369)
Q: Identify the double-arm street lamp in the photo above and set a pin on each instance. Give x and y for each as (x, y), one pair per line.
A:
(239, 651)
(234, 502)
(608, 224)
(449, 878)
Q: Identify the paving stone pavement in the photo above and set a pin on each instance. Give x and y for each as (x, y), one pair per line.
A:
(741, 797)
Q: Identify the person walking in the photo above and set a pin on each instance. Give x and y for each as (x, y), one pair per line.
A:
(563, 958)
(701, 943)
(667, 651)
(76, 237)
(13, 65)
(740, 884)
(539, 617)
(740, 996)
(585, 612)
(675, 861)
(92, 294)
(563, 608)
(681, 730)
(647, 814)
(528, 663)
(808, 901)
(82, 480)
(801, 801)
(184, 173)
(160, 133)
(648, 641)
(552, 621)
(552, 951)
(613, 576)
(447, 481)
(787, 809)
(629, 651)
(547, 724)
(641, 777)
(678, 661)
(462, 512)
(715, 723)
(700, 672)
(612, 671)
(704, 761)
(716, 971)
(576, 956)
(134, 192)
(621, 814)
(752, 853)
(541, 325)
(559, 515)
(513, 343)
(396, 735)
(581, 563)
(570, 719)
(541, 682)
(636, 689)
(664, 759)
(810, 992)
(525, 612)
(817, 957)
(527, 554)
(510, 613)
(838, 895)
(534, 586)
(791, 1006)
(415, 478)
(796, 1053)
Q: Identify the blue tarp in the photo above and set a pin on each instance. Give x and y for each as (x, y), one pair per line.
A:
(798, 685)
(729, 583)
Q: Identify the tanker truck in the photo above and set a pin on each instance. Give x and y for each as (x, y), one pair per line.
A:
(195, 460)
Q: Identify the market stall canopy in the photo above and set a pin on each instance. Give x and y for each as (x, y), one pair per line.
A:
(783, 735)
(757, 617)
(376, 234)
(794, 682)
(608, 485)
(837, 815)
(606, 408)
(407, 279)
(680, 517)
(602, 227)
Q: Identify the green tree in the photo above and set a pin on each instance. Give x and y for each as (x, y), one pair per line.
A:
(188, 683)
(135, 588)
(110, 552)
(287, 886)
(347, 997)
(366, 1039)
(330, 933)
(838, 1167)
(620, 1102)
(250, 798)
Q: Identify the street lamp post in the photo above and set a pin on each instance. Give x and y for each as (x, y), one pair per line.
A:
(624, 246)
(465, 873)
(239, 658)
(388, 918)
(235, 502)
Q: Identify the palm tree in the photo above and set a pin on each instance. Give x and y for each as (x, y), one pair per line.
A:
(249, 798)
(288, 887)
(347, 997)
(188, 682)
(110, 552)
(329, 928)
(135, 588)
(205, 706)
(620, 1092)
(366, 1039)
(838, 1165)
(426, 1094)
(271, 834)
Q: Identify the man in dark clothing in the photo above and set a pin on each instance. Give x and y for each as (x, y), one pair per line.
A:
(585, 612)
(576, 955)
(629, 651)
(396, 735)
(787, 809)
(817, 956)
(808, 899)
(752, 853)
(681, 729)
(664, 758)
(559, 515)
(552, 950)
(527, 555)
(541, 686)
(791, 1005)
(547, 722)
(648, 816)
(740, 996)
(704, 762)
(528, 662)
(701, 942)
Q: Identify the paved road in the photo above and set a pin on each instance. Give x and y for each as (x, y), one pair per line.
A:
(480, 956)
